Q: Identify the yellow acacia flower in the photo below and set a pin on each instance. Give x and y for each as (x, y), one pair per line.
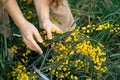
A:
(14, 49)
(92, 28)
(75, 51)
(20, 73)
(70, 47)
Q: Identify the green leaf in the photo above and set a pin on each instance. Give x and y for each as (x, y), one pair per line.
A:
(115, 55)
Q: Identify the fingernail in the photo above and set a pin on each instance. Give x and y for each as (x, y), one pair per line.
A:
(40, 41)
(50, 38)
(41, 52)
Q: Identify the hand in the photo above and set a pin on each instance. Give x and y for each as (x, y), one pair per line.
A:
(29, 34)
(49, 26)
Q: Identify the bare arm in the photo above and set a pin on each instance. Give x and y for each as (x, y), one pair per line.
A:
(42, 7)
(27, 29)
(14, 12)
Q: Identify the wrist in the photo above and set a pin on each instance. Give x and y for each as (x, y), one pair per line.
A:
(44, 21)
(21, 22)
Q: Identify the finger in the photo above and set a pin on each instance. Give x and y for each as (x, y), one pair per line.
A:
(49, 33)
(37, 36)
(28, 45)
(35, 45)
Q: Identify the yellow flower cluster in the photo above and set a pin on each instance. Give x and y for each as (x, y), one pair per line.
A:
(103, 26)
(76, 53)
(115, 28)
(107, 25)
(23, 53)
(14, 49)
(19, 72)
(88, 28)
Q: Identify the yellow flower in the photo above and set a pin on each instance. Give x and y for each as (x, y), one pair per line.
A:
(88, 79)
(76, 78)
(30, 12)
(72, 77)
(61, 76)
(71, 52)
(84, 28)
(14, 49)
(64, 69)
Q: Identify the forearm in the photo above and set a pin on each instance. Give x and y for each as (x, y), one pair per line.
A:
(42, 7)
(14, 11)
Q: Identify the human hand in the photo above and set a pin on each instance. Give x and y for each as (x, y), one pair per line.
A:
(29, 35)
(49, 26)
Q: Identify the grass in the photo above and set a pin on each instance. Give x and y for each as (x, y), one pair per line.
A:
(87, 12)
